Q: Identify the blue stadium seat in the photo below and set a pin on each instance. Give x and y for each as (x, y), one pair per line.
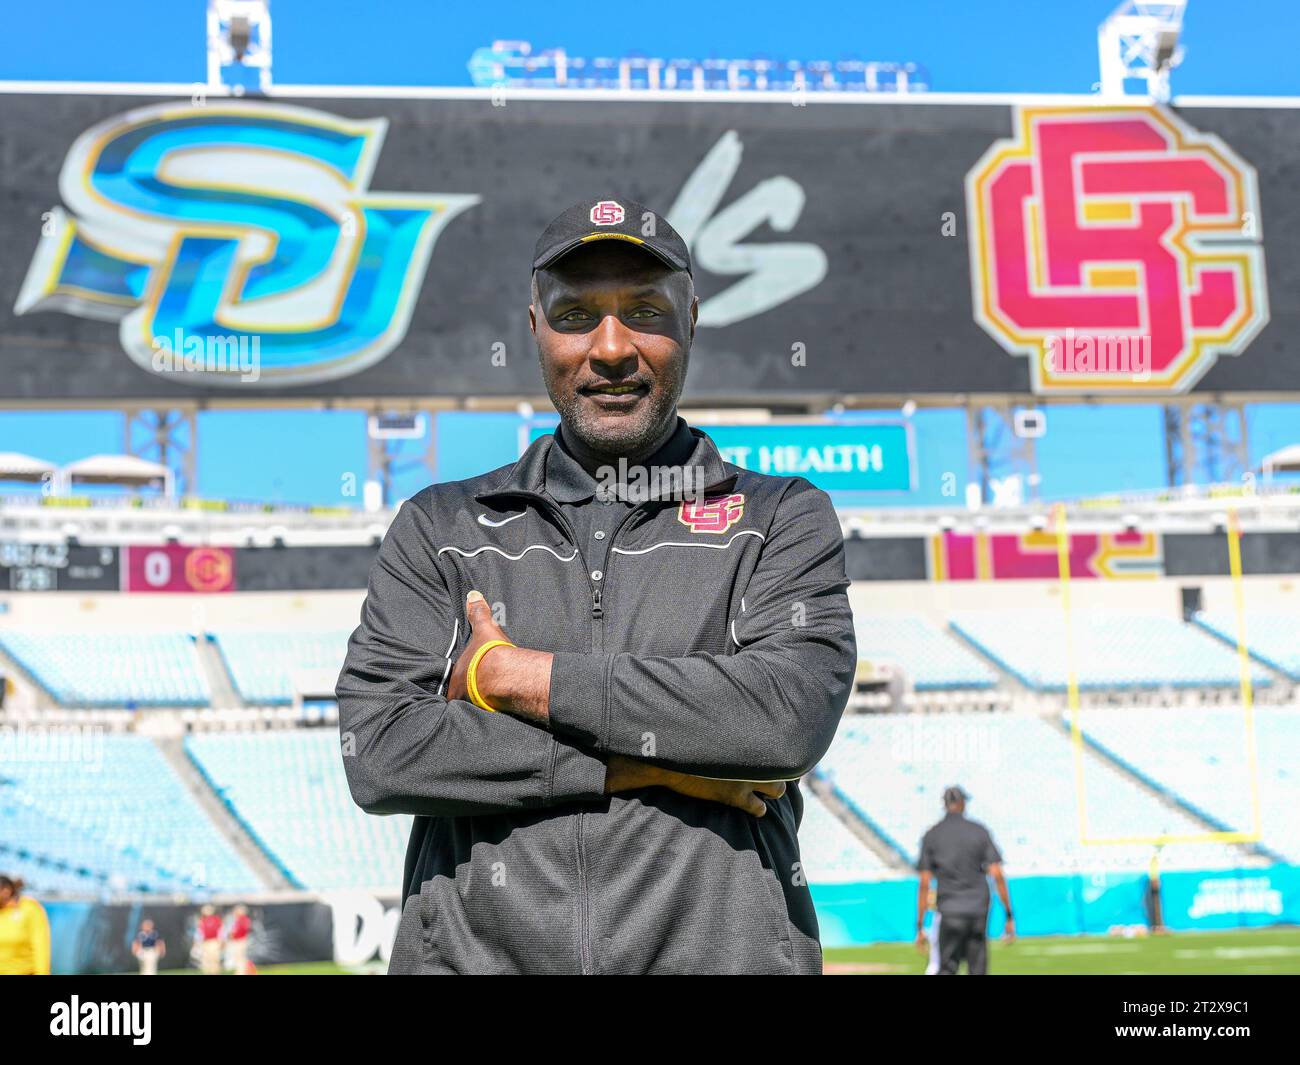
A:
(831, 854)
(1200, 755)
(1020, 772)
(289, 790)
(1270, 637)
(112, 669)
(262, 664)
(932, 658)
(1111, 651)
(111, 817)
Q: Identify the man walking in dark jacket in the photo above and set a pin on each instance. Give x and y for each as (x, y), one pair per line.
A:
(962, 855)
(595, 675)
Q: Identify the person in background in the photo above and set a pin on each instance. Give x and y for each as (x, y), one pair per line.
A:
(210, 941)
(148, 948)
(237, 941)
(24, 932)
(962, 855)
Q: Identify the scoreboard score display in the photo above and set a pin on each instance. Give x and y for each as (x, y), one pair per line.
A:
(63, 567)
(58, 568)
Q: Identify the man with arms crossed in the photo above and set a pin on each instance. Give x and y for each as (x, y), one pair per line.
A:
(595, 675)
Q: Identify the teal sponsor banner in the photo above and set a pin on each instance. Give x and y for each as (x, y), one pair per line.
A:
(874, 456)
(884, 911)
(1231, 898)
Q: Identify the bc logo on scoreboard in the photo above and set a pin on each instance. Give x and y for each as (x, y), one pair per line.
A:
(1116, 247)
(238, 222)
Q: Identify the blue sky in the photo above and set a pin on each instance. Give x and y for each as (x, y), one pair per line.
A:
(1236, 47)
(1232, 46)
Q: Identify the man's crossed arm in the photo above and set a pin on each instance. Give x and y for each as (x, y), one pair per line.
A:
(723, 723)
(517, 681)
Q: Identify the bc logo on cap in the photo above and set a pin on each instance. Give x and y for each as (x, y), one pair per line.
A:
(607, 213)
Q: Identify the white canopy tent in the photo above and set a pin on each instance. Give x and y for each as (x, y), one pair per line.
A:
(15, 466)
(1284, 460)
(129, 471)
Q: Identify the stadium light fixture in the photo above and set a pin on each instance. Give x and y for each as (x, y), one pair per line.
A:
(1139, 41)
(239, 46)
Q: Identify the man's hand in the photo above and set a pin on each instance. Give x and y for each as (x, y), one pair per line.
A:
(627, 774)
(483, 628)
(515, 680)
(922, 942)
(1009, 932)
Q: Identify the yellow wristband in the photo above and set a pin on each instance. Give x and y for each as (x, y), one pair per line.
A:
(471, 677)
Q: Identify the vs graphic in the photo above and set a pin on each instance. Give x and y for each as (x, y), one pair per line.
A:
(249, 225)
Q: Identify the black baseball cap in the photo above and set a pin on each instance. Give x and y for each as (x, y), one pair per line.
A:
(954, 795)
(611, 219)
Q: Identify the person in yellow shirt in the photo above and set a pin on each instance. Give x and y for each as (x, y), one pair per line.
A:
(24, 932)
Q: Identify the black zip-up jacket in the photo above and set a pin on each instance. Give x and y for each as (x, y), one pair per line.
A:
(718, 642)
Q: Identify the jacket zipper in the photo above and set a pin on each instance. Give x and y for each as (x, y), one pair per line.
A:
(584, 925)
(597, 617)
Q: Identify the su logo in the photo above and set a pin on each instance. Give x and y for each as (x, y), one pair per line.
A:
(1116, 247)
(238, 221)
(716, 514)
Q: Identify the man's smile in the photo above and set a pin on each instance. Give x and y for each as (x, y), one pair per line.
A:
(616, 397)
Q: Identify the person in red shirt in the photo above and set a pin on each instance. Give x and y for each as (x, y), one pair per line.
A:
(210, 941)
(237, 942)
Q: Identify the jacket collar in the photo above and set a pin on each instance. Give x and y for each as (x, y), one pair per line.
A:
(528, 475)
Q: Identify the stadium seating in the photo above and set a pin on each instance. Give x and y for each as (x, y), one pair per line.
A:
(110, 816)
(112, 669)
(830, 852)
(1111, 651)
(1199, 754)
(932, 659)
(262, 664)
(1270, 637)
(1019, 770)
(289, 791)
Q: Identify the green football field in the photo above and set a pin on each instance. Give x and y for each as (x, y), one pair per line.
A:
(1186, 953)
(1255, 951)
